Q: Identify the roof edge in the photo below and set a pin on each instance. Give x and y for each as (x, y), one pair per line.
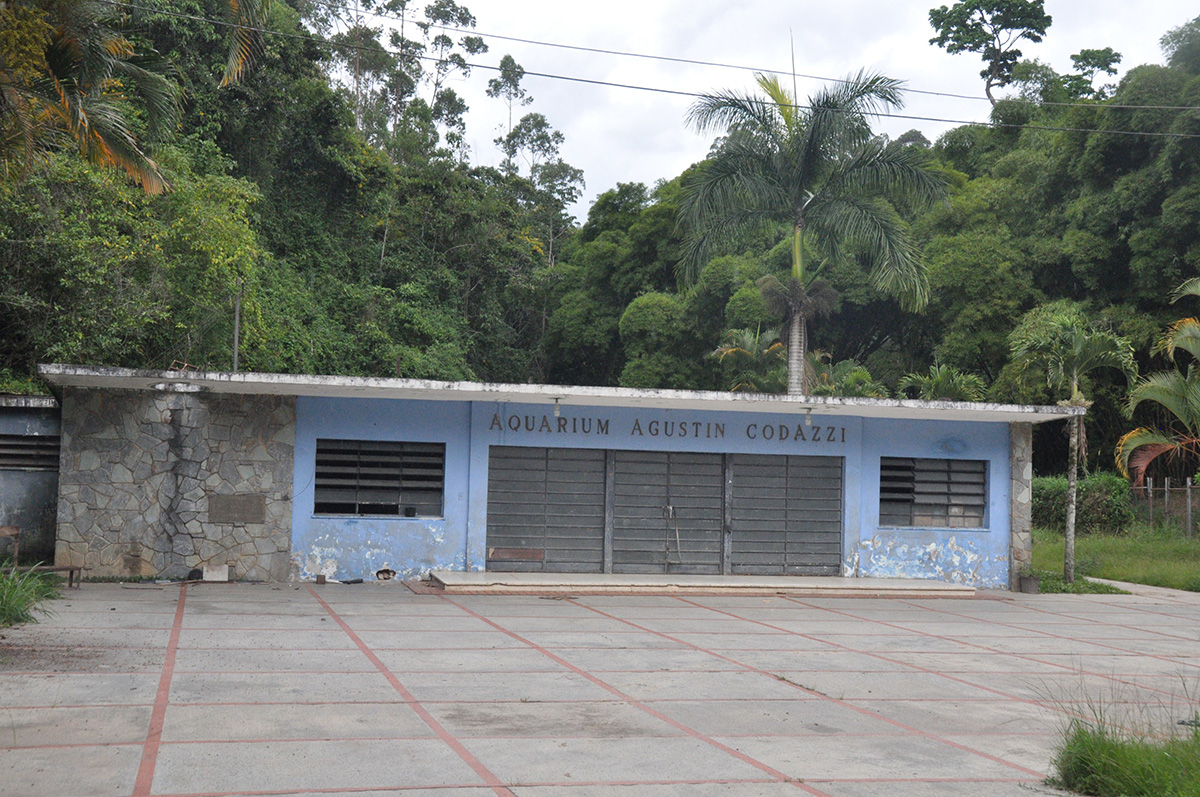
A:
(65, 375)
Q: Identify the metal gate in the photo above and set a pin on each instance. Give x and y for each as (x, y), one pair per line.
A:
(785, 514)
(545, 510)
(668, 512)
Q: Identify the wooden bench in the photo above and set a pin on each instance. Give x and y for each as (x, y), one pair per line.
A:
(74, 572)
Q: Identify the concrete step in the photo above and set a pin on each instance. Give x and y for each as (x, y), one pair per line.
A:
(477, 583)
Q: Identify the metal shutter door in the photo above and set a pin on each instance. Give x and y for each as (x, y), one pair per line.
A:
(545, 510)
(668, 512)
(786, 515)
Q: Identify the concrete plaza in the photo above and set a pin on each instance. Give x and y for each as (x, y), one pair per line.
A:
(237, 689)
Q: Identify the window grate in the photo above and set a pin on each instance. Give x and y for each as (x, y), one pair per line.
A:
(379, 477)
(932, 493)
(28, 452)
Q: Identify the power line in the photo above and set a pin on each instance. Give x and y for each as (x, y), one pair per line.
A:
(653, 89)
(722, 65)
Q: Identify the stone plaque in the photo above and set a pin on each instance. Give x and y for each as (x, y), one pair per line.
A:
(237, 509)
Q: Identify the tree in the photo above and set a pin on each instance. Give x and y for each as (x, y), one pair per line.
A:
(843, 378)
(69, 75)
(1088, 64)
(991, 28)
(1181, 46)
(1059, 343)
(817, 169)
(1176, 392)
(507, 87)
(944, 383)
(754, 360)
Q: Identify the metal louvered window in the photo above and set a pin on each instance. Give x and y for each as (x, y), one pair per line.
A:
(28, 452)
(932, 493)
(379, 477)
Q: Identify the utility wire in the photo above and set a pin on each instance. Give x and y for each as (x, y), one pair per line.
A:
(721, 65)
(654, 89)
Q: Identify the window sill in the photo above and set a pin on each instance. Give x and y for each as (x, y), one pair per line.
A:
(973, 529)
(378, 517)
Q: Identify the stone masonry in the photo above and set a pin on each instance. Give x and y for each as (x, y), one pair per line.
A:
(161, 483)
(1021, 492)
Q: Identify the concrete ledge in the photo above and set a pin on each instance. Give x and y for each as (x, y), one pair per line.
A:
(606, 584)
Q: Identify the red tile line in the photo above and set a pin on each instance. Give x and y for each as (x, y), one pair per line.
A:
(145, 775)
(630, 700)
(1059, 704)
(455, 787)
(1072, 616)
(975, 645)
(814, 693)
(453, 743)
(1115, 677)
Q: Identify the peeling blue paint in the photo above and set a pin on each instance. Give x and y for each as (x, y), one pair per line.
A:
(955, 557)
(356, 547)
(973, 557)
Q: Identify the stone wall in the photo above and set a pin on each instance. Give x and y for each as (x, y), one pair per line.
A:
(1021, 492)
(157, 484)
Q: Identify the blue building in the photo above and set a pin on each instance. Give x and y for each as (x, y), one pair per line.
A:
(281, 476)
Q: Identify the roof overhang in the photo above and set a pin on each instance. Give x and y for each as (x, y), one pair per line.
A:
(429, 390)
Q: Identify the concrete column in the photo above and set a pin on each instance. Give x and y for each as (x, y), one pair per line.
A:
(1021, 496)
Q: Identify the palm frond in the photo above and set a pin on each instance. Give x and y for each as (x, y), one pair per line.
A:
(877, 169)
(728, 110)
(1176, 393)
(1190, 287)
(1183, 334)
(246, 17)
(1140, 447)
(896, 270)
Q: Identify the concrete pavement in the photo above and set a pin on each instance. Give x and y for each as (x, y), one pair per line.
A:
(235, 689)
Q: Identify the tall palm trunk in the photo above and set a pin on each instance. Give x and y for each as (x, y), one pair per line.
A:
(796, 352)
(1072, 484)
(797, 329)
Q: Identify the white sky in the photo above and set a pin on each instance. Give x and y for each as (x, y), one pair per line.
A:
(622, 135)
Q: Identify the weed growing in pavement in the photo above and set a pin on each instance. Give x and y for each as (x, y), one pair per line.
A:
(1108, 755)
(21, 592)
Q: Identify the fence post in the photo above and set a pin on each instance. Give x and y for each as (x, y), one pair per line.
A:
(1150, 492)
(1189, 506)
(1166, 499)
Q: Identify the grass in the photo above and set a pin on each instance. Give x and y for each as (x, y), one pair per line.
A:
(1095, 759)
(22, 593)
(1158, 556)
(1052, 581)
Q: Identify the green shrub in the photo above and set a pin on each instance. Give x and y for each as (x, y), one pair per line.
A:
(1104, 504)
(20, 594)
(1097, 759)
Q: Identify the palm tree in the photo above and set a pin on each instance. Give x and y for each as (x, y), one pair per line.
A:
(944, 383)
(73, 83)
(72, 77)
(843, 378)
(818, 169)
(1176, 392)
(754, 359)
(1065, 347)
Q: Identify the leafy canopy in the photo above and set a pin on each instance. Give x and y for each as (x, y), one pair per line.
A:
(991, 28)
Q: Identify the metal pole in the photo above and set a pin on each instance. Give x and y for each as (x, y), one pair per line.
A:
(237, 323)
(1167, 499)
(1189, 506)
(1150, 492)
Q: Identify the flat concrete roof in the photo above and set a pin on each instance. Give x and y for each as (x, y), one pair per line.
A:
(431, 390)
